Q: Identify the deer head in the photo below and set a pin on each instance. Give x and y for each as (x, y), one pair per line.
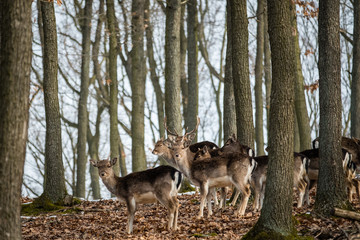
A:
(104, 167)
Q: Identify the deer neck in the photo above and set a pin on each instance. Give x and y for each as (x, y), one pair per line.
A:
(184, 164)
(111, 183)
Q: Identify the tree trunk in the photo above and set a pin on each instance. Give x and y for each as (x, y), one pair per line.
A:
(93, 142)
(153, 75)
(137, 86)
(193, 78)
(183, 78)
(259, 125)
(229, 101)
(276, 218)
(355, 85)
(84, 92)
(303, 121)
(113, 109)
(240, 72)
(267, 67)
(15, 51)
(54, 182)
(172, 65)
(331, 185)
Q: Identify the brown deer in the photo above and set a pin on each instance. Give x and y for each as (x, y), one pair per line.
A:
(149, 186)
(348, 166)
(163, 151)
(220, 171)
(258, 178)
(352, 145)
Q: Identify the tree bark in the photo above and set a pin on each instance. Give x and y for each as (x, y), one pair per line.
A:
(137, 86)
(259, 112)
(276, 217)
(84, 92)
(303, 121)
(54, 181)
(15, 62)
(172, 65)
(193, 78)
(267, 67)
(240, 72)
(113, 109)
(153, 75)
(229, 101)
(355, 85)
(331, 185)
(183, 78)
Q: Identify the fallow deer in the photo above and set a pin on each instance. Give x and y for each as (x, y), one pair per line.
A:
(149, 186)
(258, 178)
(349, 168)
(220, 171)
(163, 151)
(352, 145)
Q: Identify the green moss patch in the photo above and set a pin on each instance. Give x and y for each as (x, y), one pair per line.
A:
(43, 205)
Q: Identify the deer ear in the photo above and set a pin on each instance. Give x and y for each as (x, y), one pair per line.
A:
(205, 149)
(251, 152)
(113, 161)
(168, 143)
(191, 137)
(172, 138)
(94, 162)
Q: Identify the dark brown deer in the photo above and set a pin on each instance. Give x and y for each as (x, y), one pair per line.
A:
(348, 166)
(352, 145)
(220, 171)
(258, 178)
(149, 186)
(163, 151)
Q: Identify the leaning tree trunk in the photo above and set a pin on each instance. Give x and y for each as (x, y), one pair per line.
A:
(276, 214)
(240, 72)
(137, 86)
(54, 182)
(331, 185)
(193, 79)
(229, 101)
(113, 109)
(15, 62)
(259, 132)
(84, 92)
(172, 65)
(355, 85)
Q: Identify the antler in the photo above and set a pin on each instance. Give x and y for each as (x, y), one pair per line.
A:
(194, 130)
(168, 131)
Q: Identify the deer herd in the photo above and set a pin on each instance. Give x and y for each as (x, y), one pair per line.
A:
(209, 167)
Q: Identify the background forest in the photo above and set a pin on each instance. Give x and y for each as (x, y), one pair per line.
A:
(109, 78)
(210, 39)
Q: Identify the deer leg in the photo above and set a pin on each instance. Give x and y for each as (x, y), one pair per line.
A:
(176, 203)
(213, 191)
(204, 189)
(256, 204)
(245, 189)
(167, 200)
(233, 202)
(302, 187)
(223, 197)
(208, 199)
(131, 207)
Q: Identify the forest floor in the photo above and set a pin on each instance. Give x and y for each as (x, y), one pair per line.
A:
(106, 219)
